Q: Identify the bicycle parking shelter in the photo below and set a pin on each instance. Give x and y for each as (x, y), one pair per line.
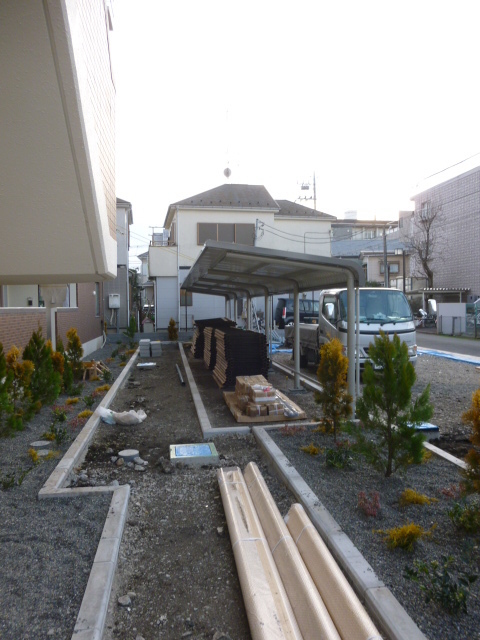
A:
(238, 271)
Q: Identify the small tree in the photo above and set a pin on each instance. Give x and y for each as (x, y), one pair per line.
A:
(67, 371)
(172, 330)
(472, 418)
(332, 374)
(46, 382)
(6, 378)
(20, 374)
(386, 409)
(425, 240)
(74, 353)
(131, 331)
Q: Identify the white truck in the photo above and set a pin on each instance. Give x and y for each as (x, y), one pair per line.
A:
(381, 309)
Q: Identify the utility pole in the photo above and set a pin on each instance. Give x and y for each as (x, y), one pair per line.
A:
(385, 263)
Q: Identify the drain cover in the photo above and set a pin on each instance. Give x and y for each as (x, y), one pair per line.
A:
(201, 453)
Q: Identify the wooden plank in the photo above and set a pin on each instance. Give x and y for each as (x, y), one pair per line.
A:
(231, 400)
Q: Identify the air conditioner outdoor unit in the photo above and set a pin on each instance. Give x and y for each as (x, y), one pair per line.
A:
(114, 301)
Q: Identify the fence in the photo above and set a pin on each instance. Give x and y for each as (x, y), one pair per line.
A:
(467, 325)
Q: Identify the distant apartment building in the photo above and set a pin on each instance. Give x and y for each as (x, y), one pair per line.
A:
(456, 231)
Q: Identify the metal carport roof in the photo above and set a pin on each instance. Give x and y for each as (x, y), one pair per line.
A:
(233, 270)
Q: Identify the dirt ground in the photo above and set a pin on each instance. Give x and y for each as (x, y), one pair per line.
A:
(176, 565)
(176, 555)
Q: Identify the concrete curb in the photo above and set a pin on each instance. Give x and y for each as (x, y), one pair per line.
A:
(207, 430)
(77, 451)
(93, 610)
(384, 608)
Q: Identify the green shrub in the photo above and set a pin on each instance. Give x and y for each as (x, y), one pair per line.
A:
(74, 354)
(339, 456)
(472, 418)
(465, 516)
(45, 382)
(437, 582)
(386, 410)
(332, 372)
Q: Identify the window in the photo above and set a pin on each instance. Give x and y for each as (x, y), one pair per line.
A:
(393, 267)
(424, 211)
(97, 299)
(185, 298)
(223, 232)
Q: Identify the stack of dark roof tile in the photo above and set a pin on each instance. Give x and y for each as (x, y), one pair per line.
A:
(209, 351)
(239, 353)
(198, 339)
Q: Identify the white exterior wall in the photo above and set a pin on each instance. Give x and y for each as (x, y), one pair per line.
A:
(162, 261)
(301, 235)
(166, 302)
(122, 235)
(187, 221)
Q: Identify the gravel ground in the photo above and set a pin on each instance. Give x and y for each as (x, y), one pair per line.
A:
(176, 555)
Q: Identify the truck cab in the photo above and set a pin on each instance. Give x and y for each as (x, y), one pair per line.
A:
(381, 309)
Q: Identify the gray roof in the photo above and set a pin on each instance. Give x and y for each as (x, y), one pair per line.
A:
(353, 248)
(293, 209)
(232, 195)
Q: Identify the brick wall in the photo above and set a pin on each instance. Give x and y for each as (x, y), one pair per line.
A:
(82, 318)
(17, 326)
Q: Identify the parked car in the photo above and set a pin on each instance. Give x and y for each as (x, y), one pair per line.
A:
(284, 311)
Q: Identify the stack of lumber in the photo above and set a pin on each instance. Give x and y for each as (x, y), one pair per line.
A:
(198, 340)
(254, 400)
(239, 352)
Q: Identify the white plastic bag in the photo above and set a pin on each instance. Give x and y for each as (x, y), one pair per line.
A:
(106, 415)
(125, 417)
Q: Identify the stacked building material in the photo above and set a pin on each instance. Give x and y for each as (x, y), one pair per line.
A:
(209, 351)
(156, 348)
(254, 399)
(239, 353)
(144, 345)
(198, 340)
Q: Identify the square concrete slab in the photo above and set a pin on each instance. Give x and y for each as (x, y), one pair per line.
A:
(197, 454)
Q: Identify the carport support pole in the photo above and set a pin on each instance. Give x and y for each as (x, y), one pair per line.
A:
(351, 337)
(249, 312)
(296, 339)
(235, 309)
(268, 328)
(357, 342)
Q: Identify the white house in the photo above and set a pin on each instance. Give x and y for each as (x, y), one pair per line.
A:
(241, 214)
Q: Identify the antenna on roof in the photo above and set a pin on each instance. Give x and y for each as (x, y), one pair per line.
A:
(305, 186)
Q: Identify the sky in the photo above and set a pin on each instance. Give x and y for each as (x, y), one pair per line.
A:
(369, 96)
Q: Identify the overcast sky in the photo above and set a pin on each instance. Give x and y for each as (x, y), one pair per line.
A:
(372, 96)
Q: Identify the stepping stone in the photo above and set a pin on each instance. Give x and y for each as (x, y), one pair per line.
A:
(41, 444)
